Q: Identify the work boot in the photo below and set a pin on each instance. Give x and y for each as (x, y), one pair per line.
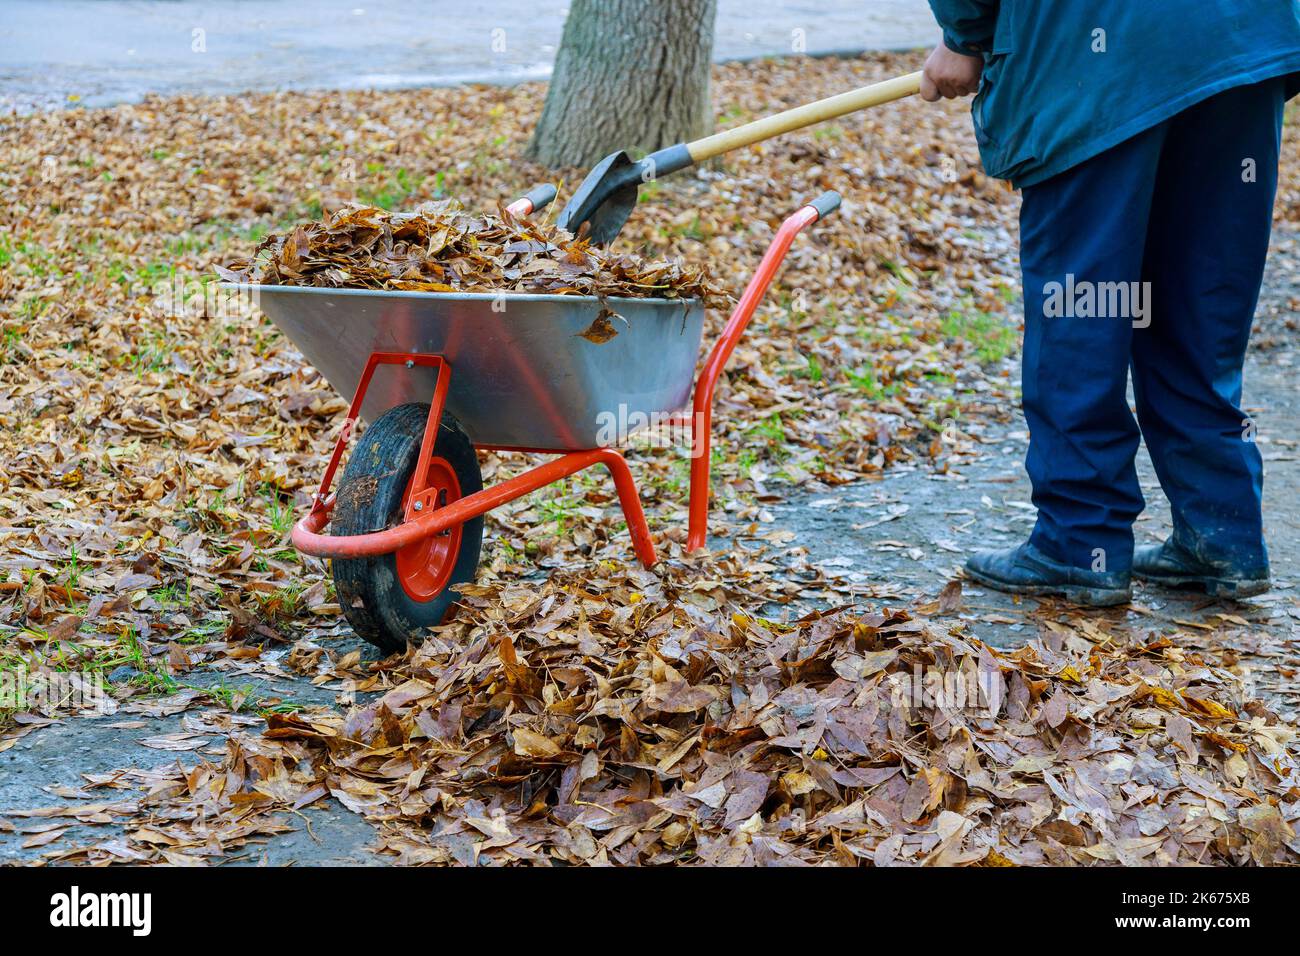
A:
(1026, 570)
(1175, 566)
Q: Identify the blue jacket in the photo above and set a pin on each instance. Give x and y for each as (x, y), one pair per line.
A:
(1065, 80)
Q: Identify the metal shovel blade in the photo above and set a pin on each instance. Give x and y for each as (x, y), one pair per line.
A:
(604, 200)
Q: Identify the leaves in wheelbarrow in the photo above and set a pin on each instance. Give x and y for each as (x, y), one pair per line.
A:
(440, 247)
(602, 327)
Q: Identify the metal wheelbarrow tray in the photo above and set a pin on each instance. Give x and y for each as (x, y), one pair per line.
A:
(438, 376)
(528, 378)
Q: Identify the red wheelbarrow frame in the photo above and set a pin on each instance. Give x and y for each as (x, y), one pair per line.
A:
(421, 521)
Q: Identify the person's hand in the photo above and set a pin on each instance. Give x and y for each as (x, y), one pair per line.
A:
(948, 74)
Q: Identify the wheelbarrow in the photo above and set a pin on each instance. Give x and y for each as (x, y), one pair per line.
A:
(439, 375)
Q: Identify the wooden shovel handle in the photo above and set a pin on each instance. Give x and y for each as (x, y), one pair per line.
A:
(802, 116)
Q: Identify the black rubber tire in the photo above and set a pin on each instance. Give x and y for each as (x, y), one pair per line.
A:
(370, 499)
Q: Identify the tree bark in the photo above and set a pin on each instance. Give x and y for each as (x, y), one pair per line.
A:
(629, 74)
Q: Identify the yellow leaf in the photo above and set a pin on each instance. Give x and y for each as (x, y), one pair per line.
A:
(798, 782)
(1209, 708)
(1164, 698)
(1225, 742)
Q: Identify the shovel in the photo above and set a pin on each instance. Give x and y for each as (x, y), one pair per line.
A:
(606, 197)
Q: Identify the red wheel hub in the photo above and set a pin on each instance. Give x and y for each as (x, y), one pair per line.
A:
(424, 567)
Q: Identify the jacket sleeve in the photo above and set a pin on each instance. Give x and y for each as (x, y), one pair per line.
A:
(967, 24)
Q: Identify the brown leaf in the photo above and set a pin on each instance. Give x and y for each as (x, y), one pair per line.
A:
(1056, 709)
(530, 744)
(950, 597)
(601, 329)
(677, 697)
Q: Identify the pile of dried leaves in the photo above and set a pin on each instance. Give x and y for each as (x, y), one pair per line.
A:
(438, 247)
(647, 719)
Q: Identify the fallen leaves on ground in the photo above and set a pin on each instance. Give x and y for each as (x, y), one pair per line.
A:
(647, 719)
(159, 449)
(157, 453)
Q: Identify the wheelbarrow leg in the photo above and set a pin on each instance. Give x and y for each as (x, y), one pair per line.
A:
(321, 500)
(631, 503)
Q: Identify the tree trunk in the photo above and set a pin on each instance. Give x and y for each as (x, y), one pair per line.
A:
(629, 74)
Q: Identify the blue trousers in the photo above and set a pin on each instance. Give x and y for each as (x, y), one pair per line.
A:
(1150, 257)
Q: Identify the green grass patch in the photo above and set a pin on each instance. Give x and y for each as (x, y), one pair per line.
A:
(394, 189)
(992, 338)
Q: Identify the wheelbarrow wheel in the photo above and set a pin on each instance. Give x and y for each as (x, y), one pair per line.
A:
(390, 599)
